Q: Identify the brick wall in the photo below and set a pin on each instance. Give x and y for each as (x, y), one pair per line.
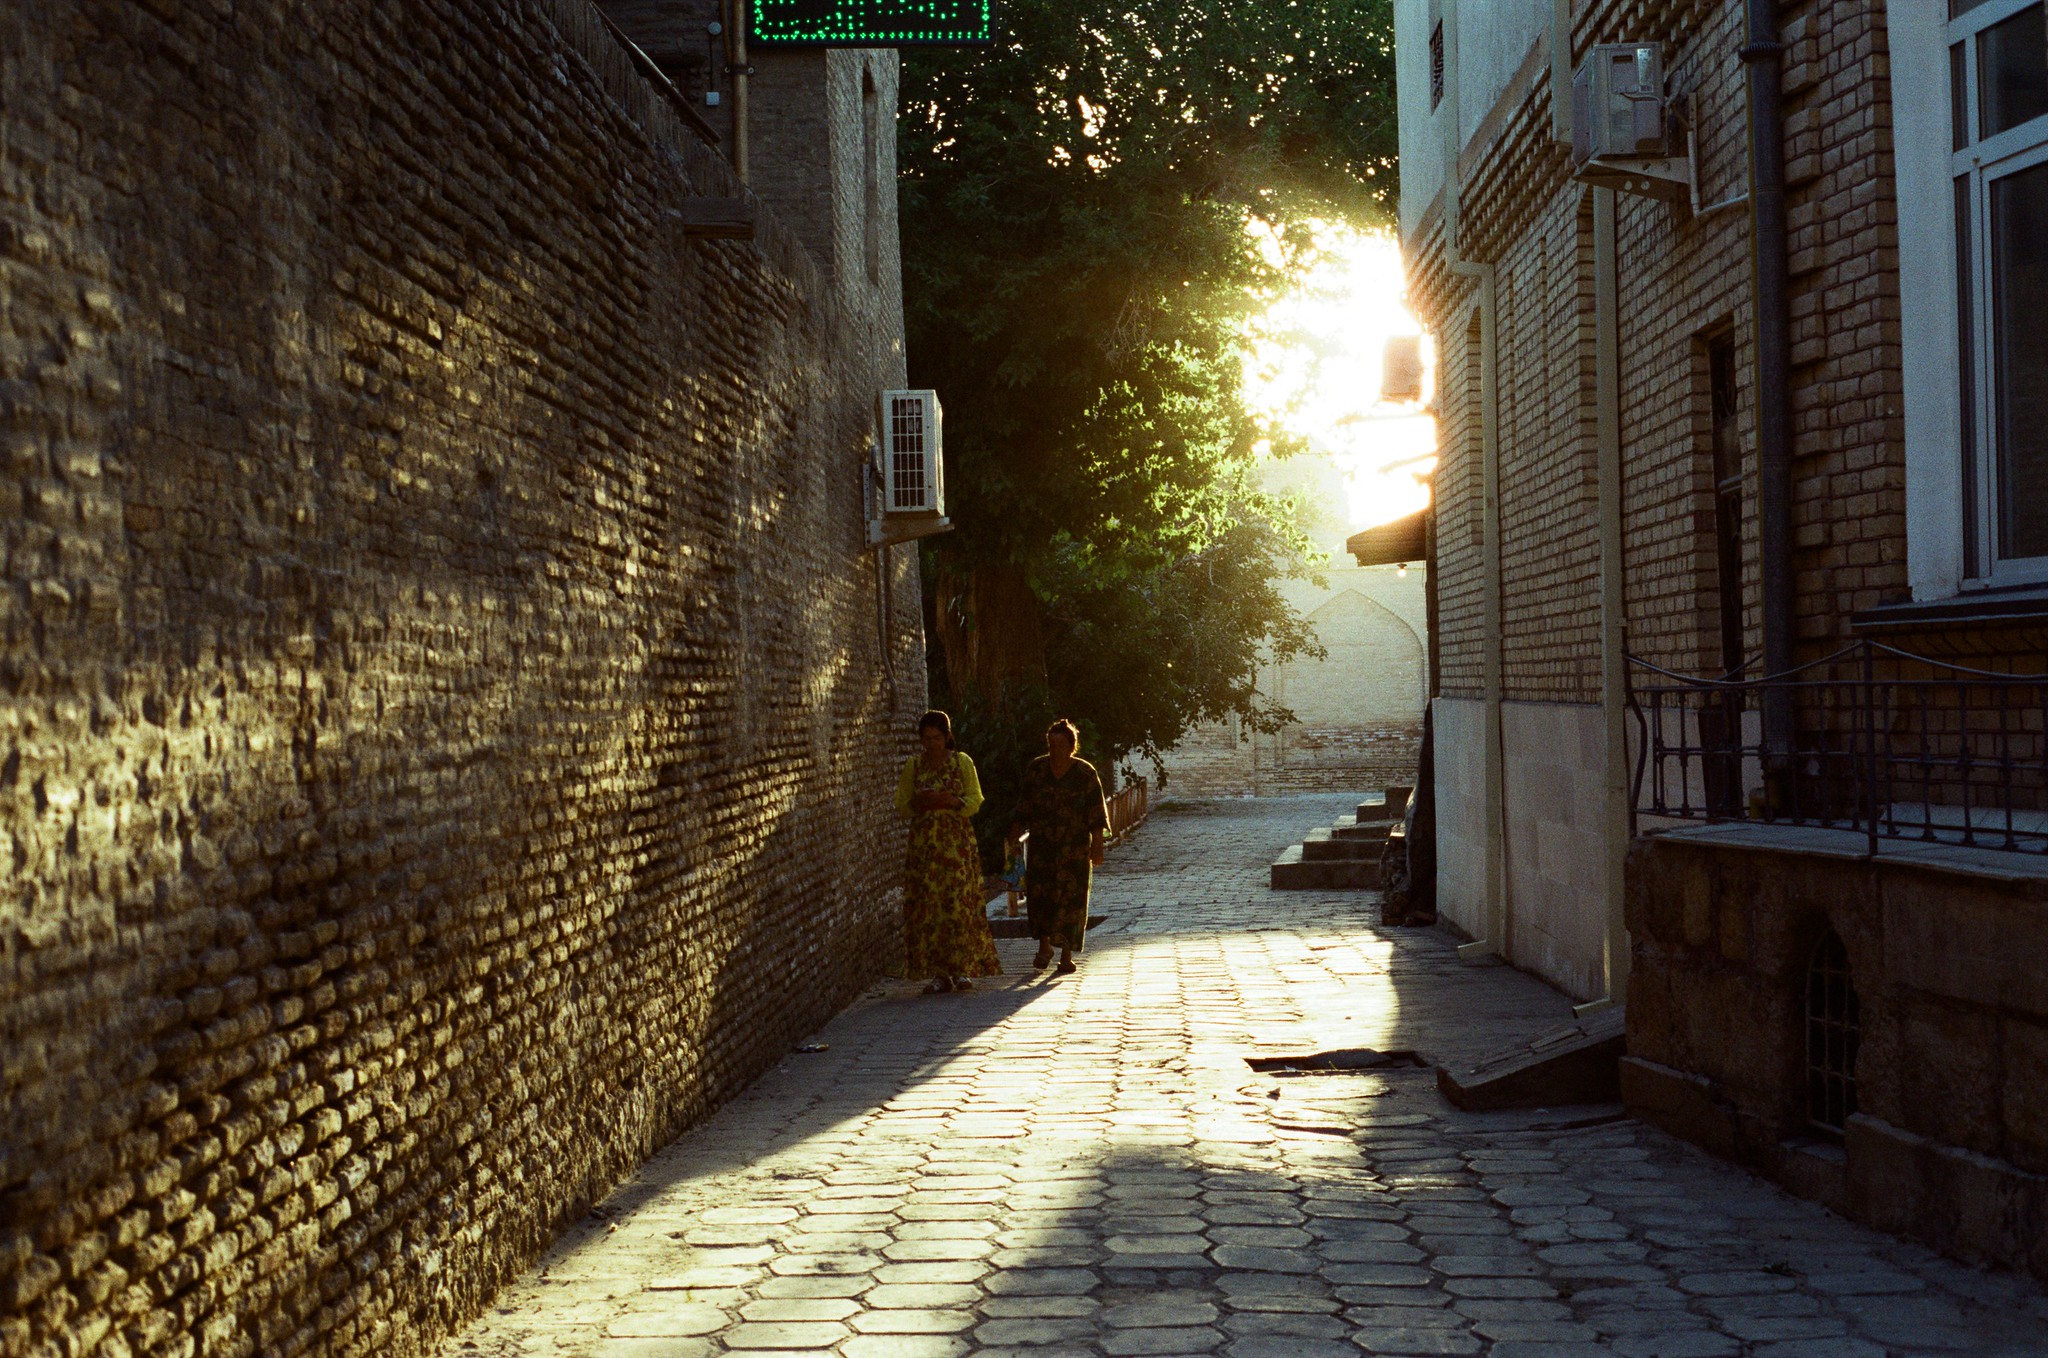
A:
(1681, 278)
(446, 720)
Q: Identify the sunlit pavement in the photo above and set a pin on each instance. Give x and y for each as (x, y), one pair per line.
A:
(1088, 1166)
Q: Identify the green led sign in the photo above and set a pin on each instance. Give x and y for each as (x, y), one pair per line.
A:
(871, 23)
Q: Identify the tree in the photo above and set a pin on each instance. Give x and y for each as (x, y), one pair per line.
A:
(1079, 278)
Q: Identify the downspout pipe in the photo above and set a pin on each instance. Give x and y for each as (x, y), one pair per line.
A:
(1495, 941)
(1614, 809)
(740, 18)
(1762, 58)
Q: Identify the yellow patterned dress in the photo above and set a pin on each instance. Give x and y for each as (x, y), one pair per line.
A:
(945, 919)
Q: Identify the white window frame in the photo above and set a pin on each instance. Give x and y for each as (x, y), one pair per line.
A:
(1937, 498)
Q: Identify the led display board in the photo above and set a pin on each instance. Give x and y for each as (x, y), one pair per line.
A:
(871, 23)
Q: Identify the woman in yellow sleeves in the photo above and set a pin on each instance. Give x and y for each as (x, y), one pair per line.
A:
(945, 920)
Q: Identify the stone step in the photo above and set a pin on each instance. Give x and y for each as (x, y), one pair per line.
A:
(1292, 872)
(1323, 846)
(1578, 1063)
(1392, 805)
(1351, 827)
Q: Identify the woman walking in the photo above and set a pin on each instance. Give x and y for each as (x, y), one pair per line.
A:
(945, 923)
(1063, 809)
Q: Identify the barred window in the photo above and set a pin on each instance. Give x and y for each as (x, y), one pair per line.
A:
(1833, 1030)
(1436, 65)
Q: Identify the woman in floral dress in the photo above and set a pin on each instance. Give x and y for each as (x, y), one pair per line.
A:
(945, 921)
(1062, 807)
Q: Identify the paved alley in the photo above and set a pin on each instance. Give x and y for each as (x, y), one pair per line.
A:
(1090, 1166)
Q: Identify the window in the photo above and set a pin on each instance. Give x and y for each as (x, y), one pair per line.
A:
(1725, 435)
(1436, 65)
(1721, 722)
(1998, 114)
(1834, 1030)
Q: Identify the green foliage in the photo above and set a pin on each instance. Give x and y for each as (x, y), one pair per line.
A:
(1079, 278)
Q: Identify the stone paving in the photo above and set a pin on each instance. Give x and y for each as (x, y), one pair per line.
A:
(1088, 1166)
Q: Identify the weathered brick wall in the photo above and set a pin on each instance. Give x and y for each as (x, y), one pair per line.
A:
(447, 731)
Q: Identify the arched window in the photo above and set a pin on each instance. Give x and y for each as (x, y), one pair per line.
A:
(1833, 1028)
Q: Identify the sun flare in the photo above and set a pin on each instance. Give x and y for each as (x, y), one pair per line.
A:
(1315, 365)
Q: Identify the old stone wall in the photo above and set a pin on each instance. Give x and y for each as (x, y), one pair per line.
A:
(1358, 708)
(449, 714)
(1948, 1134)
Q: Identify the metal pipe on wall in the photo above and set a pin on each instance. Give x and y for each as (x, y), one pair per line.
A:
(1771, 290)
(1561, 71)
(739, 18)
(1614, 811)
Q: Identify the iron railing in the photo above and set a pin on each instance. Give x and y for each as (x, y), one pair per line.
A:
(1884, 742)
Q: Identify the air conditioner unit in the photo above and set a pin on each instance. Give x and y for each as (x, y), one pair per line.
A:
(909, 469)
(1622, 125)
(1401, 369)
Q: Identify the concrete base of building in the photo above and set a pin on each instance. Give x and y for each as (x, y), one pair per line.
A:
(1552, 850)
(1943, 1134)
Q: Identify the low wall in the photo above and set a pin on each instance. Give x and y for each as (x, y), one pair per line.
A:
(1950, 1138)
(1215, 761)
(446, 723)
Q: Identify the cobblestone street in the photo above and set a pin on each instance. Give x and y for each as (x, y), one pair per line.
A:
(1088, 1165)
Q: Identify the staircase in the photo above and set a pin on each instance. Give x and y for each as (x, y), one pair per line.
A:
(1346, 856)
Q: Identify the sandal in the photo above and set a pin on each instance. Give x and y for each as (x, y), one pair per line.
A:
(1043, 959)
(940, 986)
(963, 984)
(1066, 968)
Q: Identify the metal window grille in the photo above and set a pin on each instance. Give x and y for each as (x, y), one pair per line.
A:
(1833, 1029)
(1884, 743)
(1436, 66)
(908, 453)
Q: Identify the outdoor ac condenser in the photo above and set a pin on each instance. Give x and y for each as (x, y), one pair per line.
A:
(912, 468)
(1622, 124)
(909, 471)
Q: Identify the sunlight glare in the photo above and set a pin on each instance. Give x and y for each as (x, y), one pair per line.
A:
(1314, 369)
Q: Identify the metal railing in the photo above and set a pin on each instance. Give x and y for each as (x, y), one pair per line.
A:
(1884, 742)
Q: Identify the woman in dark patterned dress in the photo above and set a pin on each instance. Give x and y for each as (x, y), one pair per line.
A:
(1062, 807)
(945, 919)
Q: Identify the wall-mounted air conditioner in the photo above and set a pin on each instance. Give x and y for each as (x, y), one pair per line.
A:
(908, 497)
(1623, 129)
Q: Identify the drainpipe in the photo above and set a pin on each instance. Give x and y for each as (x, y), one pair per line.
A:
(1614, 808)
(740, 16)
(1495, 941)
(1561, 71)
(1770, 270)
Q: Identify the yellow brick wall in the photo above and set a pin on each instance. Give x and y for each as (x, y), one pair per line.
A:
(1682, 278)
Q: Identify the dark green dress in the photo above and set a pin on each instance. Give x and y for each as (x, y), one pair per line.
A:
(1061, 814)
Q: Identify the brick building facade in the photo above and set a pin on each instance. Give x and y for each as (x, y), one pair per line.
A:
(1620, 419)
(451, 710)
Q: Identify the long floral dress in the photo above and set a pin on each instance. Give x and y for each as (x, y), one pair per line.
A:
(1061, 814)
(945, 921)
